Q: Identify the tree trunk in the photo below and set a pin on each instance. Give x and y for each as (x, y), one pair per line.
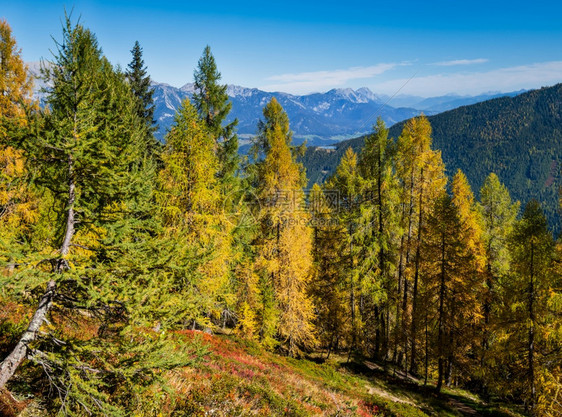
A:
(405, 300)
(70, 219)
(352, 295)
(413, 365)
(398, 294)
(440, 341)
(531, 346)
(449, 372)
(16, 357)
(378, 325)
(426, 350)
(404, 325)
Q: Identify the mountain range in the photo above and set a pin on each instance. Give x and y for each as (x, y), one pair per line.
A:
(319, 118)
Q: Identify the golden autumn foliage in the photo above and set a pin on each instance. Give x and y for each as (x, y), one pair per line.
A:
(284, 248)
(191, 207)
(18, 204)
(15, 82)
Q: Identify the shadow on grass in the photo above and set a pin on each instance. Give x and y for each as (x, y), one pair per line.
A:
(429, 400)
(485, 410)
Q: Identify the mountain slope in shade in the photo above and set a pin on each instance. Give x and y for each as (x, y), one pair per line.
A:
(519, 138)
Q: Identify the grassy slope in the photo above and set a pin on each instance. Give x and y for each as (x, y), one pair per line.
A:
(240, 378)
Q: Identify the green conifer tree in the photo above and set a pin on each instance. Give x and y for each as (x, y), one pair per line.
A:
(140, 84)
(212, 103)
(87, 150)
(379, 209)
(532, 250)
(498, 214)
(191, 207)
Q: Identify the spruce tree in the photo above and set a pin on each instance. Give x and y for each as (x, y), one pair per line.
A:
(444, 257)
(347, 185)
(212, 103)
(421, 175)
(470, 286)
(88, 153)
(379, 207)
(498, 214)
(330, 284)
(141, 87)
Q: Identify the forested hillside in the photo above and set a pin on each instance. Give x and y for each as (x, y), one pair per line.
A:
(147, 279)
(518, 138)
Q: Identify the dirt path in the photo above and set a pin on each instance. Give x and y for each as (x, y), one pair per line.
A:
(414, 384)
(463, 408)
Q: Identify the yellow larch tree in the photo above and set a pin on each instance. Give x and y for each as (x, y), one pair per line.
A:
(284, 247)
(192, 215)
(421, 174)
(18, 205)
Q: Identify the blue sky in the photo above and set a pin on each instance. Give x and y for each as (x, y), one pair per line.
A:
(419, 48)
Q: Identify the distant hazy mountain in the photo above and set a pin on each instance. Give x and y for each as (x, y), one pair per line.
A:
(443, 103)
(320, 118)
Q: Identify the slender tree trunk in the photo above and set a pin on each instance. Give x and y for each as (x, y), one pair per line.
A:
(70, 219)
(489, 286)
(449, 372)
(441, 316)
(404, 325)
(352, 296)
(387, 330)
(382, 260)
(451, 344)
(382, 353)
(405, 299)
(487, 311)
(18, 354)
(426, 350)
(440, 367)
(398, 293)
(377, 332)
(531, 346)
(413, 365)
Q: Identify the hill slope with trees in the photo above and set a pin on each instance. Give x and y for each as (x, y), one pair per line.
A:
(123, 262)
(518, 138)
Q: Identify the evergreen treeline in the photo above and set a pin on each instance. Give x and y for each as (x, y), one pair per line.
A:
(111, 244)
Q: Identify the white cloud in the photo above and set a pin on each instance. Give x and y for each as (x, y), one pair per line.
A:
(306, 82)
(461, 62)
(502, 79)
